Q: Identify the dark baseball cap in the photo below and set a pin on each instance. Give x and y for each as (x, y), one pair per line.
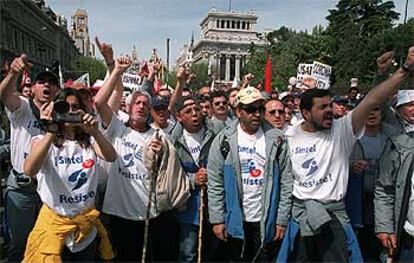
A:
(339, 99)
(159, 102)
(47, 76)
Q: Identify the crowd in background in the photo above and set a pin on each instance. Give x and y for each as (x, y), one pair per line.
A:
(211, 174)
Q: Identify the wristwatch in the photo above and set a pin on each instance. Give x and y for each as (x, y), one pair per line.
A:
(49, 126)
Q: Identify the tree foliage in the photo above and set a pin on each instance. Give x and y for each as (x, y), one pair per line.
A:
(95, 67)
(357, 33)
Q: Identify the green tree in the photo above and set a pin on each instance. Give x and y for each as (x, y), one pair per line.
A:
(95, 67)
(352, 27)
(202, 78)
(288, 49)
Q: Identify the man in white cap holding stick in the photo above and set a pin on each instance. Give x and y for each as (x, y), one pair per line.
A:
(394, 209)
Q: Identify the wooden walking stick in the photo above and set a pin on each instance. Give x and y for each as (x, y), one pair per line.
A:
(201, 222)
(152, 182)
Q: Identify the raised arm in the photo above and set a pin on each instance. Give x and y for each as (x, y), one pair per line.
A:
(381, 93)
(107, 53)
(8, 85)
(104, 93)
(247, 80)
(148, 83)
(40, 148)
(38, 154)
(182, 75)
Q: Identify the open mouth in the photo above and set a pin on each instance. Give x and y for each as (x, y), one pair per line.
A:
(46, 92)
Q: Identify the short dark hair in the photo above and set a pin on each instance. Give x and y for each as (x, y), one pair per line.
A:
(306, 100)
(353, 88)
(204, 98)
(217, 94)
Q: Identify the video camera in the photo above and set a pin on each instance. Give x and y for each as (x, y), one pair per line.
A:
(61, 113)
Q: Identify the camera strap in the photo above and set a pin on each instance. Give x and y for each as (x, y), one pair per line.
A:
(35, 110)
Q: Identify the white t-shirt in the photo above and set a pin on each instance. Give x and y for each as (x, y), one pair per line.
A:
(67, 183)
(123, 116)
(23, 126)
(252, 154)
(193, 141)
(320, 160)
(127, 188)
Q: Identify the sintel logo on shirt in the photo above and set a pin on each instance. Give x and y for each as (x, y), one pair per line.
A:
(130, 160)
(78, 178)
(250, 168)
(311, 165)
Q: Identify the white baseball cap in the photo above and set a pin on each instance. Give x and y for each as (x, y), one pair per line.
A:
(404, 97)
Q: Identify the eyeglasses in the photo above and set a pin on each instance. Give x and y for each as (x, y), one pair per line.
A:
(252, 109)
(273, 112)
(217, 103)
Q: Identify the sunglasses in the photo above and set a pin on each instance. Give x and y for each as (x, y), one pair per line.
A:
(217, 103)
(273, 112)
(252, 109)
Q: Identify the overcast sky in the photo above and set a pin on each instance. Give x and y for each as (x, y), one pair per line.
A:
(147, 24)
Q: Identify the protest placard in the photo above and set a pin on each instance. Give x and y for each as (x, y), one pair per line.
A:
(131, 81)
(303, 70)
(322, 73)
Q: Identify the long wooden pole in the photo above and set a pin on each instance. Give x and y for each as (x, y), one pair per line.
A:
(201, 222)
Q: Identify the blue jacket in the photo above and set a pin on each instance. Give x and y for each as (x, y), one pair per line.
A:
(190, 214)
(225, 184)
(292, 231)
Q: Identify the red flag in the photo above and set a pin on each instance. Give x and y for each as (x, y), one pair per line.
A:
(157, 85)
(268, 76)
(68, 83)
(25, 79)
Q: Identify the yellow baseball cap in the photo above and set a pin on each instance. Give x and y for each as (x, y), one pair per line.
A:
(248, 95)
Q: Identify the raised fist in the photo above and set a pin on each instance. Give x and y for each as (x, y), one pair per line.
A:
(123, 63)
(248, 77)
(183, 74)
(20, 64)
(384, 62)
(155, 67)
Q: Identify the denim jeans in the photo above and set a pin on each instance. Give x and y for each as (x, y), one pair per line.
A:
(22, 207)
(188, 243)
(213, 250)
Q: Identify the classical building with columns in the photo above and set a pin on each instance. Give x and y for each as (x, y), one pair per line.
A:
(226, 41)
(29, 26)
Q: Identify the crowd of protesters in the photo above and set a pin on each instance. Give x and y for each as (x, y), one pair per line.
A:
(224, 175)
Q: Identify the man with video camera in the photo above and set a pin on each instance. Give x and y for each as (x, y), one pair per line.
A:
(22, 201)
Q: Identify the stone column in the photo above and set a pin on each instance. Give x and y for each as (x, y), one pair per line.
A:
(217, 60)
(210, 64)
(237, 67)
(227, 78)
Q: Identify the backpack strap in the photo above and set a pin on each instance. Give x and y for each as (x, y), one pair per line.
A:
(35, 110)
(225, 148)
